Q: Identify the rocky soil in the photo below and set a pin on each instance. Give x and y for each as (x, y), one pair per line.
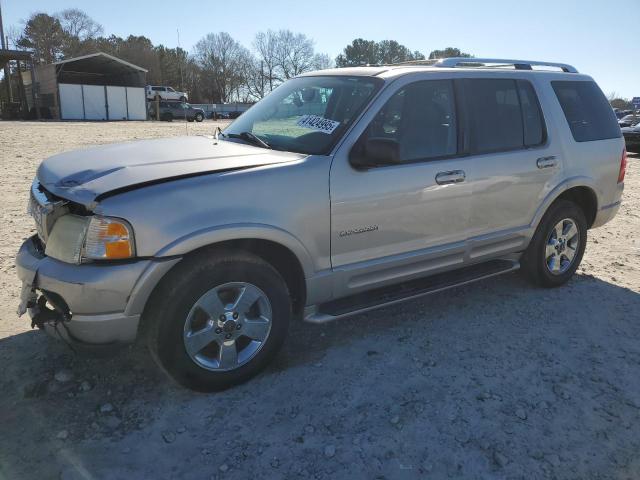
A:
(494, 380)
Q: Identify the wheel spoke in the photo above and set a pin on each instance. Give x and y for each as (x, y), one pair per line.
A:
(550, 249)
(570, 252)
(228, 357)
(555, 263)
(256, 329)
(572, 231)
(211, 304)
(196, 341)
(247, 297)
(559, 229)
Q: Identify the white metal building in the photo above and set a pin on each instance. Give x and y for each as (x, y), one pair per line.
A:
(92, 87)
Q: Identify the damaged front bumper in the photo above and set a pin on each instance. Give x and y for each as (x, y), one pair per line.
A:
(94, 304)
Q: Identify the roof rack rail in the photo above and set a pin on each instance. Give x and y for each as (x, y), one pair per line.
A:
(500, 62)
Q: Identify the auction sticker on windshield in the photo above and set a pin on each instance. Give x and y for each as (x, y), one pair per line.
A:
(320, 124)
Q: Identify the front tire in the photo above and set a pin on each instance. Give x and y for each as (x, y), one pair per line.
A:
(218, 319)
(557, 247)
(199, 117)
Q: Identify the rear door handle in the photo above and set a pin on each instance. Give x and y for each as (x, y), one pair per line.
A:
(454, 176)
(547, 162)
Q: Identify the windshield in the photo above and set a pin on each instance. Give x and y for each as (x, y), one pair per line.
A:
(307, 114)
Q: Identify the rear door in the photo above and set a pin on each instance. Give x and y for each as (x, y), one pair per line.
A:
(514, 164)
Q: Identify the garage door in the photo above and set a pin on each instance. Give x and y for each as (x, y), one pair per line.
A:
(71, 107)
(88, 102)
(137, 103)
(117, 101)
(94, 102)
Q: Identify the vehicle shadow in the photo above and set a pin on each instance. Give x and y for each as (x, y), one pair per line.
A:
(307, 344)
(440, 360)
(508, 296)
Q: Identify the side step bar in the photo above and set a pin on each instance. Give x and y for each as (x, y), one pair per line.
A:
(382, 297)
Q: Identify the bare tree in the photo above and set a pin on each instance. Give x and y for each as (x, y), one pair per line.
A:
(79, 31)
(257, 80)
(321, 61)
(294, 53)
(13, 33)
(77, 23)
(224, 62)
(266, 47)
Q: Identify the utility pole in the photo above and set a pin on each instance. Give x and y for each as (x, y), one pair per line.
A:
(7, 75)
(180, 63)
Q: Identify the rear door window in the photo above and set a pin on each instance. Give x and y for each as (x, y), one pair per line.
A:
(586, 110)
(493, 110)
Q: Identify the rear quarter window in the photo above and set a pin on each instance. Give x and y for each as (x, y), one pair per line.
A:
(587, 111)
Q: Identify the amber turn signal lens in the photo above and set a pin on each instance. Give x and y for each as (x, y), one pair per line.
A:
(108, 239)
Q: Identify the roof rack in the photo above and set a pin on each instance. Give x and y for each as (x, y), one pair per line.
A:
(498, 63)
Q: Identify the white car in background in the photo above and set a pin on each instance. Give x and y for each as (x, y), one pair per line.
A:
(165, 93)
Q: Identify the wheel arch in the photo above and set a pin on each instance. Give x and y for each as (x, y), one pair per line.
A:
(585, 198)
(278, 248)
(581, 190)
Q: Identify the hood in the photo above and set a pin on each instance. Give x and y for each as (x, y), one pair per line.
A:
(84, 175)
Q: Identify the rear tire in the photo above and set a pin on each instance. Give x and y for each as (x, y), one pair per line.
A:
(252, 338)
(557, 247)
(183, 99)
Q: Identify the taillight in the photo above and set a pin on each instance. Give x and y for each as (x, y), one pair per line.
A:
(623, 166)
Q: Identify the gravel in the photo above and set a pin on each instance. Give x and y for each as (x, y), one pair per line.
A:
(63, 376)
(493, 380)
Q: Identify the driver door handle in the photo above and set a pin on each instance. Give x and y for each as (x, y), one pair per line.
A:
(453, 176)
(547, 162)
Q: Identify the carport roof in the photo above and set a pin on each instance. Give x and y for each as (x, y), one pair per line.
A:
(7, 55)
(100, 61)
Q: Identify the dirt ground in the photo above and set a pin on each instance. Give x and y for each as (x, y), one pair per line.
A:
(493, 380)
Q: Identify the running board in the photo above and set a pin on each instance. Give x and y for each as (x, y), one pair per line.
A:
(382, 297)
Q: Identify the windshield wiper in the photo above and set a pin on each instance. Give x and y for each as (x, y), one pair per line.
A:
(248, 137)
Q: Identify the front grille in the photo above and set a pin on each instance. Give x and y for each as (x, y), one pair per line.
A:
(45, 210)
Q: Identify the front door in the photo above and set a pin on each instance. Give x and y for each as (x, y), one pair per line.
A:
(409, 216)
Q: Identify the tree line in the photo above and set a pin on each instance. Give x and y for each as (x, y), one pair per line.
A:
(219, 69)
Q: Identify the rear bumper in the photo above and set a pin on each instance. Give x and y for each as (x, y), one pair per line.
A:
(104, 301)
(606, 213)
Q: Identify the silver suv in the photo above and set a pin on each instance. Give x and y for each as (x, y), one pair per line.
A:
(342, 191)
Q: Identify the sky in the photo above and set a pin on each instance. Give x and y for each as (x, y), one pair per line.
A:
(593, 35)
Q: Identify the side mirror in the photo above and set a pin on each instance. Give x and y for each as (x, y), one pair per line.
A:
(375, 152)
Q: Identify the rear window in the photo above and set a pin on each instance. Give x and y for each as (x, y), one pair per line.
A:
(587, 111)
(503, 115)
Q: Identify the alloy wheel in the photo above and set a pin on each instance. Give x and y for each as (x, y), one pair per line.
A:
(562, 246)
(227, 326)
